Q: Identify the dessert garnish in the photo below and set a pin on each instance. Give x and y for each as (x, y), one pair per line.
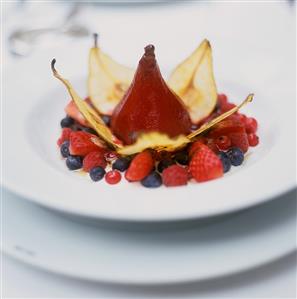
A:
(154, 131)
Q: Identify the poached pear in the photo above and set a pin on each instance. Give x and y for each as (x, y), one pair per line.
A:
(149, 105)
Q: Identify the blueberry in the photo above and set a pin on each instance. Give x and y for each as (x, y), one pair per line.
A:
(182, 158)
(106, 119)
(225, 161)
(64, 149)
(97, 173)
(164, 164)
(236, 156)
(153, 180)
(121, 164)
(74, 162)
(67, 122)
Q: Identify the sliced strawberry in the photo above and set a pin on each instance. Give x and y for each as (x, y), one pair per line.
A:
(140, 167)
(65, 136)
(239, 140)
(225, 127)
(94, 159)
(72, 111)
(82, 143)
(205, 165)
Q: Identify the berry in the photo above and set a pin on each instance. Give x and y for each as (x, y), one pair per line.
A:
(223, 142)
(225, 127)
(64, 149)
(65, 136)
(110, 156)
(67, 122)
(97, 173)
(222, 99)
(182, 158)
(89, 130)
(121, 164)
(205, 165)
(225, 161)
(153, 180)
(212, 145)
(74, 162)
(195, 146)
(226, 107)
(82, 143)
(239, 140)
(175, 175)
(253, 139)
(106, 119)
(94, 159)
(73, 112)
(164, 164)
(236, 156)
(140, 167)
(113, 177)
(251, 125)
(242, 118)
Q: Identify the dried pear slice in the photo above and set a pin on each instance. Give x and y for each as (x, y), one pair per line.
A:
(154, 140)
(88, 112)
(193, 81)
(218, 119)
(107, 80)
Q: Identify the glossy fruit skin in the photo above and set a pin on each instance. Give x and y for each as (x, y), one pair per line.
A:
(181, 158)
(205, 165)
(153, 180)
(81, 143)
(253, 139)
(140, 167)
(236, 156)
(97, 173)
(175, 175)
(251, 125)
(113, 177)
(164, 164)
(74, 162)
(225, 161)
(65, 136)
(67, 122)
(239, 140)
(223, 142)
(121, 164)
(64, 149)
(149, 105)
(94, 159)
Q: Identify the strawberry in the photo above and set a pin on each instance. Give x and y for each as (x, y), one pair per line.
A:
(65, 136)
(196, 145)
(225, 127)
(239, 140)
(205, 165)
(82, 143)
(175, 175)
(72, 110)
(140, 167)
(94, 159)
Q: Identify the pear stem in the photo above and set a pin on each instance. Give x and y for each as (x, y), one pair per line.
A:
(95, 35)
(149, 50)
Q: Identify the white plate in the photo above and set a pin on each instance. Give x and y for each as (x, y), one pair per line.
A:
(231, 244)
(33, 167)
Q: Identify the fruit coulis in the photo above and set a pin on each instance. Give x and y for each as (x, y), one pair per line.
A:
(208, 157)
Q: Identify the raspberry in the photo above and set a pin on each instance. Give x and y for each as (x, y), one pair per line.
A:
(65, 136)
(251, 125)
(94, 159)
(239, 140)
(82, 143)
(140, 167)
(226, 107)
(253, 139)
(113, 177)
(223, 142)
(212, 145)
(225, 127)
(222, 99)
(205, 165)
(175, 175)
